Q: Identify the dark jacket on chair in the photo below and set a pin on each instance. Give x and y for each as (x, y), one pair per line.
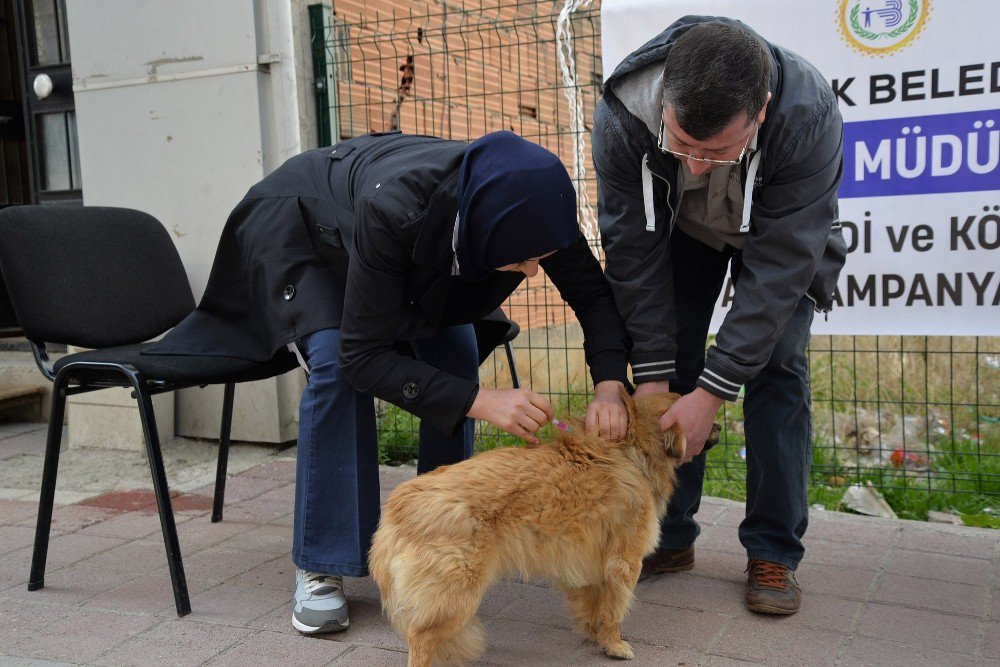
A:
(359, 236)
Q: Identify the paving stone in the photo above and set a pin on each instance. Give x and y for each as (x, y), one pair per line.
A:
(24, 618)
(268, 539)
(132, 558)
(719, 538)
(150, 594)
(256, 510)
(73, 584)
(841, 582)
(277, 573)
(991, 644)
(844, 554)
(233, 605)
(72, 547)
(939, 566)
(722, 661)
(271, 648)
(730, 516)
(14, 568)
(688, 591)
(280, 471)
(919, 628)
(16, 511)
(218, 565)
(726, 565)
(200, 533)
(368, 627)
(967, 542)
(361, 587)
(176, 642)
(880, 653)
(527, 603)
(70, 518)
(16, 537)
(368, 656)
(645, 654)
(130, 526)
(854, 529)
(73, 638)
(512, 642)
(824, 612)
(244, 487)
(18, 444)
(661, 625)
(944, 596)
(767, 638)
(240, 576)
(284, 493)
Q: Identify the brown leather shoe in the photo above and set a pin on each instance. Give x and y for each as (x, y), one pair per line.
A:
(664, 560)
(771, 588)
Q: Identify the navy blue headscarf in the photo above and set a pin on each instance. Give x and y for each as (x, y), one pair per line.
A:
(515, 202)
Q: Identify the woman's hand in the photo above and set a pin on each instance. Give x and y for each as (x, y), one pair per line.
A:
(520, 412)
(607, 414)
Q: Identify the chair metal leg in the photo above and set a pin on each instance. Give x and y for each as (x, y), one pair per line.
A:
(220, 470)
(37, 578)
(514, 377)
(169, 528)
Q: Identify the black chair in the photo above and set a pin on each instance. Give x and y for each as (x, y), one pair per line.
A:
(494, 330)
(110, 279)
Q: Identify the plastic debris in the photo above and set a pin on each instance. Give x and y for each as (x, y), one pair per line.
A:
(909, 461)
(836, 480)
(868, 501)
(743, 453)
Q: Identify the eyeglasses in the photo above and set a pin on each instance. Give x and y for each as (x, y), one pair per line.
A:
(662, 145)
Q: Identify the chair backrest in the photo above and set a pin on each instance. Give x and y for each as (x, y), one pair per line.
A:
(91, 276)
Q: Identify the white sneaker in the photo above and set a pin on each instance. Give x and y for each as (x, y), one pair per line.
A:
(320, 605)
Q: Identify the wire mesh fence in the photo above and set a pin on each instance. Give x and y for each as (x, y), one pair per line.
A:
(906, 413)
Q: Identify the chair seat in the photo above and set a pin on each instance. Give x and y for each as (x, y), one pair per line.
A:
(178, 369)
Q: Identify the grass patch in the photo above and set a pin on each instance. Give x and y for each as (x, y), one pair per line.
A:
(964, 475)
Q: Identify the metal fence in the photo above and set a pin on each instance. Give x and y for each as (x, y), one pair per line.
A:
(905, 413)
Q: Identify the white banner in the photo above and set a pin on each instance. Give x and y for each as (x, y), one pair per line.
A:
(918, 82)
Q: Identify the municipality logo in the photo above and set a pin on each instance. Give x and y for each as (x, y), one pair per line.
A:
(881, 27)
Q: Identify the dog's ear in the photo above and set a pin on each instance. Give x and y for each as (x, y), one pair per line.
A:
(675, 442)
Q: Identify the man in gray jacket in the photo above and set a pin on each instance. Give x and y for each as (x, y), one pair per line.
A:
(715, 149)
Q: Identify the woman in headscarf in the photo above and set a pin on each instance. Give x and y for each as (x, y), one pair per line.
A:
(344, 253)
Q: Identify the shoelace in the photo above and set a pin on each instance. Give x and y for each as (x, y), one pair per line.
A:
(767, 574)
(318, 581)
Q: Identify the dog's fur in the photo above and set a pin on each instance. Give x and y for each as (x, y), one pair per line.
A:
(580, 511)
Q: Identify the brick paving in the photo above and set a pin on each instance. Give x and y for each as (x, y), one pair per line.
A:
(877, 592)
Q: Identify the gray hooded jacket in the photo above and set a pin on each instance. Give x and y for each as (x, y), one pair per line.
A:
(794, 244)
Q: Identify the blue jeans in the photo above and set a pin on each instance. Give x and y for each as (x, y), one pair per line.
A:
(337, 498)
(777, 416)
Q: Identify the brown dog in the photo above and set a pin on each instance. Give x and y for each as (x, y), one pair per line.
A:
(580, 511)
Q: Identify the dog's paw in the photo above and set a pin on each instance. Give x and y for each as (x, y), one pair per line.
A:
(620, 649)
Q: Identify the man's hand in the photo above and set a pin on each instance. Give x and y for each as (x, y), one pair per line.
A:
(694, 413)
(520, 412)
(661, 387)
(606, 413)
